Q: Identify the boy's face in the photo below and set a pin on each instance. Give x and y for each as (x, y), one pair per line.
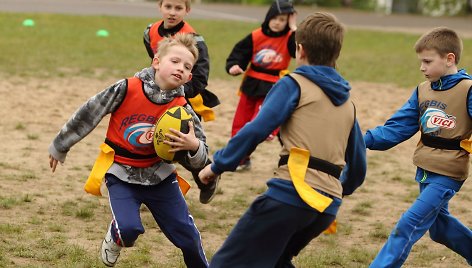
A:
(433, 65)
(173, 12)
(174, 68)
(278, 23)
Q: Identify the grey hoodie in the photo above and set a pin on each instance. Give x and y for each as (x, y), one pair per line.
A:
(90, 114)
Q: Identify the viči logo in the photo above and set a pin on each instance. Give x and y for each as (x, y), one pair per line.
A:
(444, 122)
(433, 119)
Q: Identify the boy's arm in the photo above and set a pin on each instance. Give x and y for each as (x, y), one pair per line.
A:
(241, 54)
(400, 127)
(276, 109)
(200, 71)
(86, 118)
(353, 174)
(147, 41)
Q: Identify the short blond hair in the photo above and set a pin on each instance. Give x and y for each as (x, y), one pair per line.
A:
(441, 39)
(183, 39)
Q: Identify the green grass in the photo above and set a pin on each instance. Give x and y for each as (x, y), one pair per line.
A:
(362, 208)
(64, 45)
(379, 231)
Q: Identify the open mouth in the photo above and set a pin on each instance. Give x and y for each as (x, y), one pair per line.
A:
(178, 76)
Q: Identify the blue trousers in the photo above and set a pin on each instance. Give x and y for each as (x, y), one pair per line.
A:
(269, 235)
(428, 212)
(169, 209)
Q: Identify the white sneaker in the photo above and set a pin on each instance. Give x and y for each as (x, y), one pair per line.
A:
(110, 250)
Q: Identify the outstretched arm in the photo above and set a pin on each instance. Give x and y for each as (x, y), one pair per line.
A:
(84, 120)
(400, 127)
(277, 107)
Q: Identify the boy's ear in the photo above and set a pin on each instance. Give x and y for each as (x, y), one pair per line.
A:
(450, 59)
(301, 51)
(155, 62)
(189, 77)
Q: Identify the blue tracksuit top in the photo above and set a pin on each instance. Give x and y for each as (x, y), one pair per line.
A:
(278, 106)
(405, 122)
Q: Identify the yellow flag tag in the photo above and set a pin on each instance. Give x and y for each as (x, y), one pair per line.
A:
(100, 167)
(297, 165)
(200, 108)
(467, 145)
(95, 182)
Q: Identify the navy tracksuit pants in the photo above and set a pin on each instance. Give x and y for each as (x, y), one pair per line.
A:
(169, 209)
(270, 234)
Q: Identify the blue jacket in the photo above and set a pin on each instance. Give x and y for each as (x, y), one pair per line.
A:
(405, 122)
(278, 106)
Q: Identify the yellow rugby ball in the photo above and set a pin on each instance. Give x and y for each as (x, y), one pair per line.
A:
(177, 118)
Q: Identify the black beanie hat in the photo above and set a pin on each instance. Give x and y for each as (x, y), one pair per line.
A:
(279, 7)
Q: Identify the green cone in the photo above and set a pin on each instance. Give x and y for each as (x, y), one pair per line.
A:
(102, 33)
(28, 23)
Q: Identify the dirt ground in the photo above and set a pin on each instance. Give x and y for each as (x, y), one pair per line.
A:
(33, 111)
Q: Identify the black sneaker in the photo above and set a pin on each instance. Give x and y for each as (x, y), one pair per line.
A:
(207, 191)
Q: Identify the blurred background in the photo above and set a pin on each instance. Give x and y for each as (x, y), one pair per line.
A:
(425, 7)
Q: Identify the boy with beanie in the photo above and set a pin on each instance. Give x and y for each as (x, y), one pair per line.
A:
(263, 56)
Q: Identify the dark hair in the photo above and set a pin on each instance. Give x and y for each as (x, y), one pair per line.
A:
(321, 36)
(443, 40)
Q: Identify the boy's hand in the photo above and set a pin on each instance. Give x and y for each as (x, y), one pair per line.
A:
(181, 141)
(206, 175)
(53, 163)
(235, 70)
(270, 137)
(292, 21)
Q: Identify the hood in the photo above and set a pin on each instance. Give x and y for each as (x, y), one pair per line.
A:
(449, 81)
(278, 7)
(329, 80)
(153, 91)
